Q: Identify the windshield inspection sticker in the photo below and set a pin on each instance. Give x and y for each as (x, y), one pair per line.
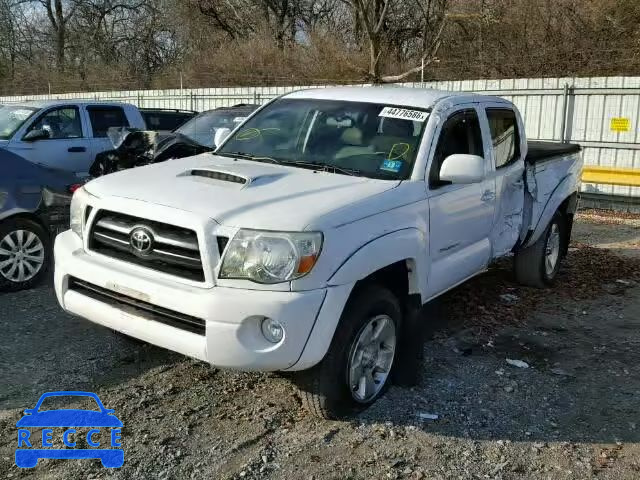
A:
(404, 114)
(391, 165)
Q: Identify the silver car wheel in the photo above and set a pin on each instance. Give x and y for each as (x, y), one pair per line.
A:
(371, 358)
(21, 256)
(552, 250)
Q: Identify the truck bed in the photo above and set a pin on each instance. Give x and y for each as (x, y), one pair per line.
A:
(538, 151)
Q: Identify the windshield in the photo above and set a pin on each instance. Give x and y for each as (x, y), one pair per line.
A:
(202, 128)
(368, 139)
(12, 118)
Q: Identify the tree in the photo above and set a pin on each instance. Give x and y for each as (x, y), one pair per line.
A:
(8, 41)
(59, 13)
(415, 25)
(242, 18)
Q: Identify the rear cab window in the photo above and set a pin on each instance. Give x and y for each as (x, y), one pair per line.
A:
(168, 121)
(505, 135)
(104, 117)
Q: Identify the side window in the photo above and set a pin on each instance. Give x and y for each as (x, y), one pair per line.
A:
(504, 135)
(460, 134)
(103, 118)
(61, 123)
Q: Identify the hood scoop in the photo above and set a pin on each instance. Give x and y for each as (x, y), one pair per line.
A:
(218, 175)
(238, 175)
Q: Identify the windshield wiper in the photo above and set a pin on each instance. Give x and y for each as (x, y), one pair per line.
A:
(324, 167)
(248, 156)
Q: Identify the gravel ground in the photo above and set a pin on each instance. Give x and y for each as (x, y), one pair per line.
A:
(574, 413)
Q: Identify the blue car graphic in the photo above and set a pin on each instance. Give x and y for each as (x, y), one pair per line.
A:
(28, 457)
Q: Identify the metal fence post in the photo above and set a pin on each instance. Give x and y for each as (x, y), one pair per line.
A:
(565, 109)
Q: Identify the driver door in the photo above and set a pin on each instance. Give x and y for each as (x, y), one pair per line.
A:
(461, 216)
(67, 147)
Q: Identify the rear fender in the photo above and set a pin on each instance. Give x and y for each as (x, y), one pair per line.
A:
(565, 189)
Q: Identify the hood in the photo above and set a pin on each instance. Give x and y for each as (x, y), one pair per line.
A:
(242, 193)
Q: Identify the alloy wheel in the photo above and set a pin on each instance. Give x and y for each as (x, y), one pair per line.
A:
(552, 250)
(21, 256)
(371, 358)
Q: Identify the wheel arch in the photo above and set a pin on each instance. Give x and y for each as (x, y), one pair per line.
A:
(22, 214)
(563, 199)
(392, 261)
(396, 260)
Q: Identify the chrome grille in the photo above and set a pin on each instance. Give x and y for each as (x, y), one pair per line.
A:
(172, 249)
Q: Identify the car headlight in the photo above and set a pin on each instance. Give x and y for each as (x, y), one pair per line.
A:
(270, 257)
(78, 205)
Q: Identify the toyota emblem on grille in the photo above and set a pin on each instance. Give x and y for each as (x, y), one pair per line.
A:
(141, 240)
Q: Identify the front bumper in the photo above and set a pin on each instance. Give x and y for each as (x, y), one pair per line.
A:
(232, 335)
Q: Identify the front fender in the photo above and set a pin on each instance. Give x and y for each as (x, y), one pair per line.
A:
(402, 245)
(408, 244)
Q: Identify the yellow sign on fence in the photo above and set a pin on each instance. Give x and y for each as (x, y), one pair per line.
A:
(620, 124)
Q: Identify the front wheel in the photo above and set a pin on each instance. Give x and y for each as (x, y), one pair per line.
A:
(357, 368)
(538, 264)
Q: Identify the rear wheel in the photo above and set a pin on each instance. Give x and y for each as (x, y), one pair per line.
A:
(538, 264)
(25, 252)
(357, 368)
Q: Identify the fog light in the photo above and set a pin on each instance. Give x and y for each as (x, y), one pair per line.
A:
(272, 330)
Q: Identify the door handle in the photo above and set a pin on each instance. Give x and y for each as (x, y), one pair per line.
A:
(488, 196)
(76, 149)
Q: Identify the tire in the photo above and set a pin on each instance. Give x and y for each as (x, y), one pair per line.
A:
(35, 254)
(534, 266)
(325, 389)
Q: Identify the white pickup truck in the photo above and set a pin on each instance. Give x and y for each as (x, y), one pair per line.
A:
(316, 231)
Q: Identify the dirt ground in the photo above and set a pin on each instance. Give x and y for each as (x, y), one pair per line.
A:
(573, 414)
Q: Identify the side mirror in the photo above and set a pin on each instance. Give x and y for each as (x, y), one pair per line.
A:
(462, 169)
(220, 136)
(34, 135)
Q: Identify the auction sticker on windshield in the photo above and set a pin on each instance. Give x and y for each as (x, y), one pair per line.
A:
(404, 114)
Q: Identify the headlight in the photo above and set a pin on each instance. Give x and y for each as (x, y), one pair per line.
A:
(270, 257)
(78, 206)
